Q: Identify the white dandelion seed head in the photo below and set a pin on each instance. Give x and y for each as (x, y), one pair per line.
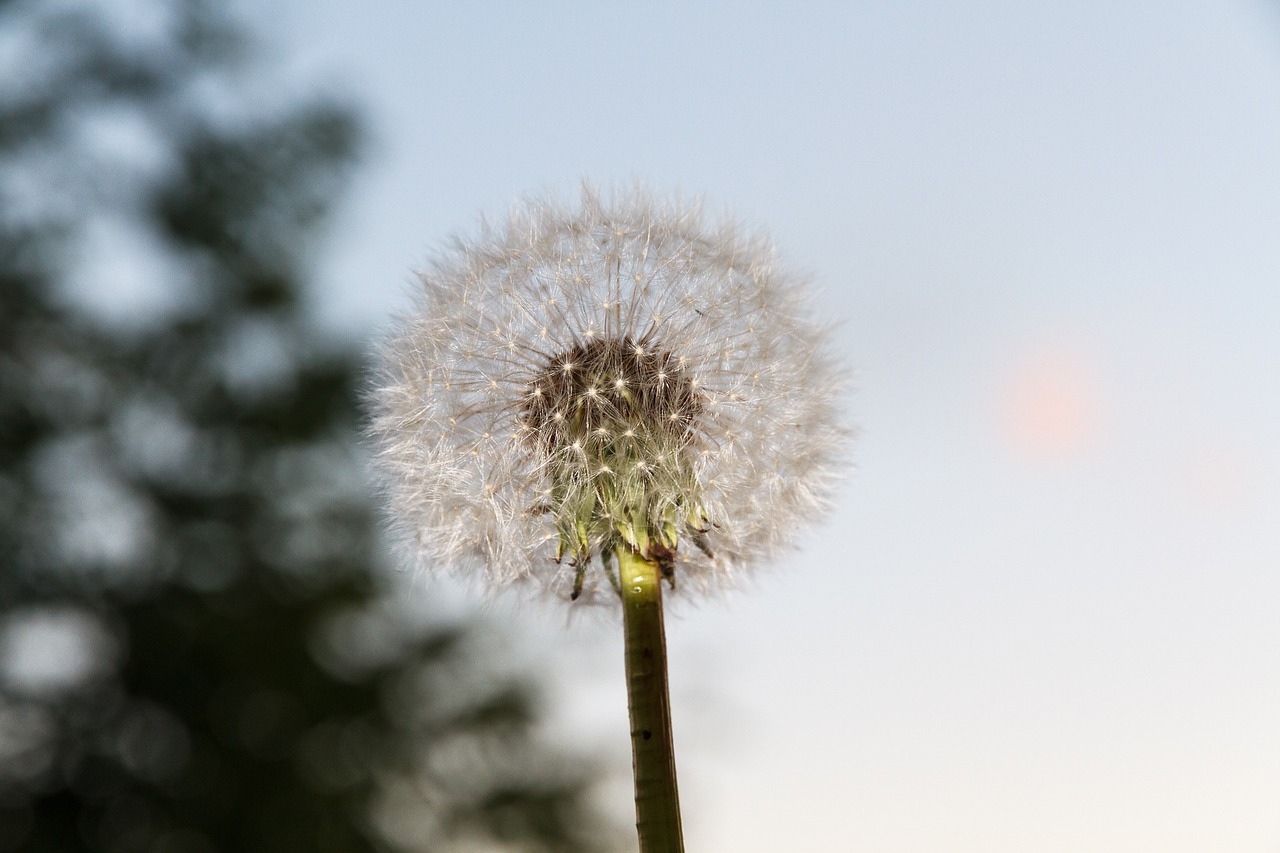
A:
(619, 372)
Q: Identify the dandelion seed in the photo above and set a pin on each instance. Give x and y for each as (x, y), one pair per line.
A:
(697, 367)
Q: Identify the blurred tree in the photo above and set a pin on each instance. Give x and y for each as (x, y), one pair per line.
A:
(196, 652)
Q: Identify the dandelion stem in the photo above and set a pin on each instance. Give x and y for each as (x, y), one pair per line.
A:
(652, 751)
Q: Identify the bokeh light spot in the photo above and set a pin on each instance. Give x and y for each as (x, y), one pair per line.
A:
(1049, 407)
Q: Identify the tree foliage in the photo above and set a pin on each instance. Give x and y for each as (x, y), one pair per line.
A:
(197, 651)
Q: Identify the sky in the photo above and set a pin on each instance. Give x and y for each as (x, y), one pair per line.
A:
(1042, 615)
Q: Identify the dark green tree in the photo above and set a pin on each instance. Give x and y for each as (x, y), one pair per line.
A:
(197, 650)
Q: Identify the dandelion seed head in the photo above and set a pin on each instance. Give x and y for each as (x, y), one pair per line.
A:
(619, 373)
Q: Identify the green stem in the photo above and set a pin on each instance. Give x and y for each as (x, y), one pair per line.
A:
(652, 751)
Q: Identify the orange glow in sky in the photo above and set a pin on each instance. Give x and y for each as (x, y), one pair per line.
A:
(1050, 404)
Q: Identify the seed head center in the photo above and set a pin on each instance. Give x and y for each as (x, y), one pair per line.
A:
(604, 391)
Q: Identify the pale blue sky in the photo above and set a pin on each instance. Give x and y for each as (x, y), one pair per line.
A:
(1043, 615)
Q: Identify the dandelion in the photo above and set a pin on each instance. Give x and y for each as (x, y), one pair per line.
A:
(600, 400)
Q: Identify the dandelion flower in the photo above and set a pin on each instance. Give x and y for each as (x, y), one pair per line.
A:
(616, 373)
(618, 385)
